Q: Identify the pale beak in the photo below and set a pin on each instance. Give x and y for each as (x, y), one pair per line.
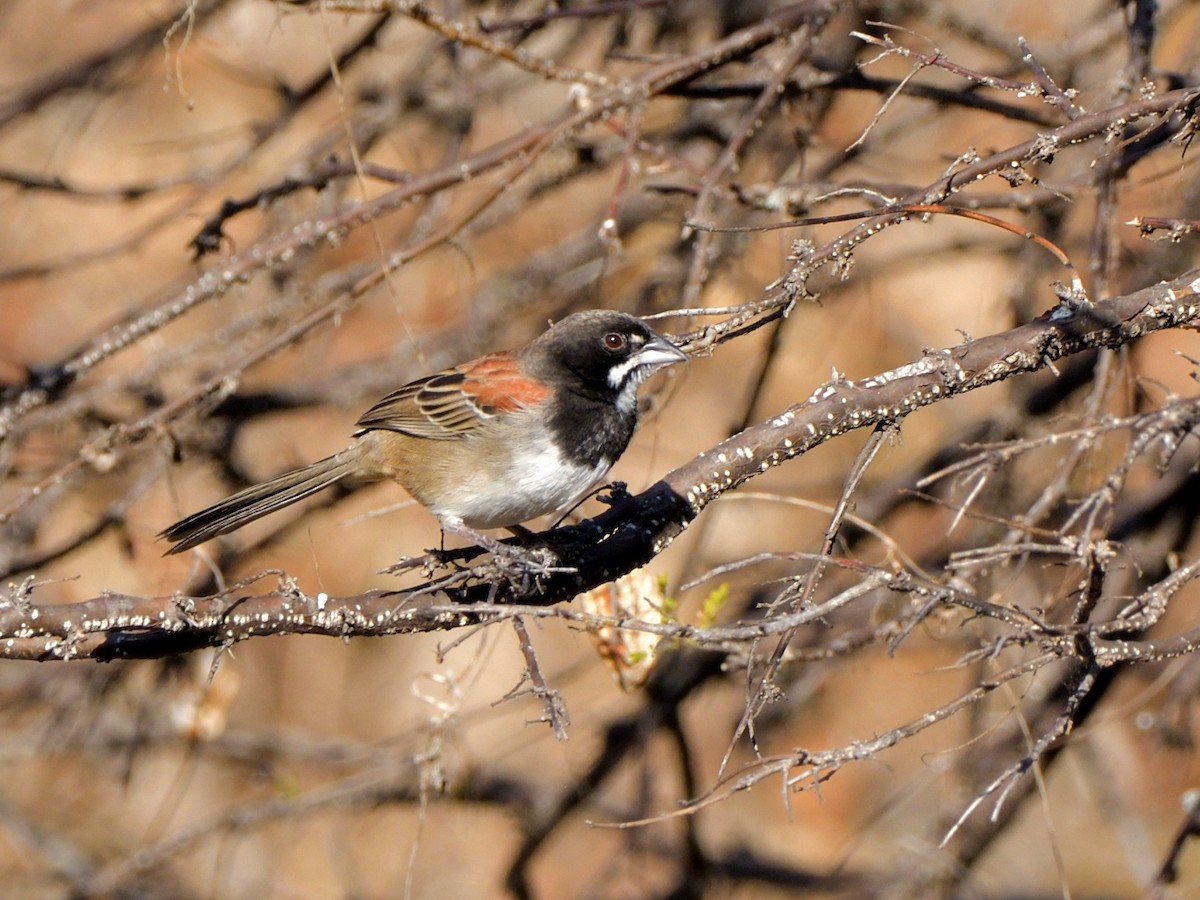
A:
(651, 356)
(658, 352)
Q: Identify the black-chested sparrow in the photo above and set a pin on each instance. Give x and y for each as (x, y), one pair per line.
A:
(489, 443)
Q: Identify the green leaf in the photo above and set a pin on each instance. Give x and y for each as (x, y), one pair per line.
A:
(712, 604)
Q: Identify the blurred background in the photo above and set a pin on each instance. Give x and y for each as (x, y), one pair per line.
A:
(232, 225)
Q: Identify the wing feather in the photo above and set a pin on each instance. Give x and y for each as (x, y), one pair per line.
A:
(455, 401)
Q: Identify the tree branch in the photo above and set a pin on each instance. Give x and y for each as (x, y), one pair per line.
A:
(629, 535)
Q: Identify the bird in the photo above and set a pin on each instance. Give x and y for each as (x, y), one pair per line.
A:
(489, 443)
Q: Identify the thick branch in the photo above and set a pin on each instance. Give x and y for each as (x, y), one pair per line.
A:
(628, 535)
(633, 533)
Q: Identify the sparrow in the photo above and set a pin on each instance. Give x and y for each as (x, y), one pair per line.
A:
(490, 443)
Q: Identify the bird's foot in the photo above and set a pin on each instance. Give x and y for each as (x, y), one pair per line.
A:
(520, 566)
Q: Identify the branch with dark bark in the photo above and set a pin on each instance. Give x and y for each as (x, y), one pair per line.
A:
(629, 535)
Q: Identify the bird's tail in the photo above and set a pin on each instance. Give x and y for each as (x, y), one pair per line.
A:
(258, 500)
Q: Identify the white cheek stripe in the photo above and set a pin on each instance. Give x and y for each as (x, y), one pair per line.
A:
(639, 366)
(617, 374)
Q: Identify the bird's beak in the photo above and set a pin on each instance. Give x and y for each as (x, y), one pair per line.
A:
(649, 358)
(658, 351)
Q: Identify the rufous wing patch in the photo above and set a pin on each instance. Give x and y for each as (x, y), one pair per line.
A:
(456, 401)
(496, 385)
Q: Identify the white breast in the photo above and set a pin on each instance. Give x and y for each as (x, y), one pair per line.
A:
(531, 483)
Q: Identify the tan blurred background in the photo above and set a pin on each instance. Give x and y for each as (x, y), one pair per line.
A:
(312, 767)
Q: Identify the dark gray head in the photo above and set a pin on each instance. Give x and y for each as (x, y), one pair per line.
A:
(597, 359)
(601, 353)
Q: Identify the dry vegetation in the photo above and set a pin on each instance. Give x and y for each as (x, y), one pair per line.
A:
(906, 599)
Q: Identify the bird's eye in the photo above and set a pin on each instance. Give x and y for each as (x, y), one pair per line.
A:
(614, 340)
